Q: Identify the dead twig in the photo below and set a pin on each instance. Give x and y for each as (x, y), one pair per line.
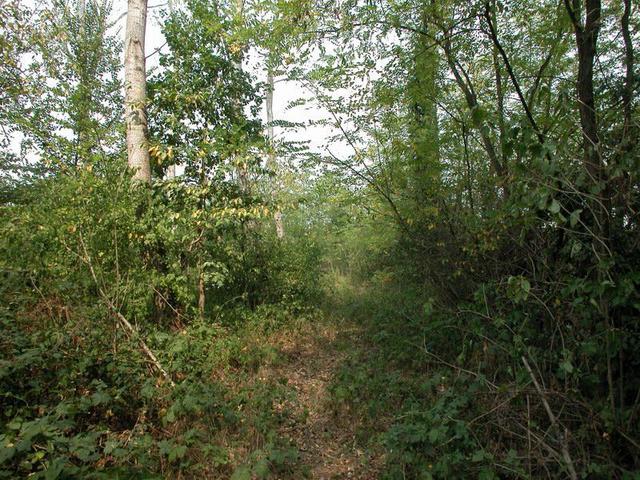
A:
(562, 437)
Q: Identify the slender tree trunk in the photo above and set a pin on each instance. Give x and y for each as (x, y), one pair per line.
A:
(135, 91)
(269, 105)
(277, 216)
(466, 87)
(170, 174)
(586, 35)
(499, 89)
(586, 40)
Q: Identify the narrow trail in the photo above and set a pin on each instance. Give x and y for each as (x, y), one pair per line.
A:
(325, 438)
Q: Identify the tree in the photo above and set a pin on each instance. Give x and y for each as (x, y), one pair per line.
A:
(272, 164)
(199, 102)
(135, 91)
(68, 110)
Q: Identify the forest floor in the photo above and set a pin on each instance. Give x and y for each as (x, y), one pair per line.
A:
(325, 434)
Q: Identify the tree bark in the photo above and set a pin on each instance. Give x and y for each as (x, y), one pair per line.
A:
(135, 91)
(586, 40)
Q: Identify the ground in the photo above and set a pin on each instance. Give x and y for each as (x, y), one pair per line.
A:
(326, 437)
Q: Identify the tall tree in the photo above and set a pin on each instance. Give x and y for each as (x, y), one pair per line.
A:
(135, 91)
(277, 216)
(199, 102)
(423, 124)
(71, 104)
(586, 33)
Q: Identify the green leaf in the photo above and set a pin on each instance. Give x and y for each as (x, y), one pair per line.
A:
(434, 434)
(478, 456)
(6, 453)
(574, 217)
(487, 474)
(15, 424)
(566, 366)
(177, 452)
(55, 469)
(555, 206)
(99, 398)
(170, 416)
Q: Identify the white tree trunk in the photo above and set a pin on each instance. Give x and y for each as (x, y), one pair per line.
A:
(277, 216)
(136, 91)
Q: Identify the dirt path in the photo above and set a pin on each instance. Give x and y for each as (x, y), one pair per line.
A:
(325, 439)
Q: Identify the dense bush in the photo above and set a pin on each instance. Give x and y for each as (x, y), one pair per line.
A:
(80, 398)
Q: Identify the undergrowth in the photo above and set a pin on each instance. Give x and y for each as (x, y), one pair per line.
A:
(79, 401)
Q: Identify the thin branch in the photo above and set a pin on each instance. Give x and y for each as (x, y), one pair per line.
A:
(554, 423)
(516, 85)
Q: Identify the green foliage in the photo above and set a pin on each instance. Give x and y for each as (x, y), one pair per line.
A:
(79, 399)
(464, 213)
(199, 97)
(73, 104)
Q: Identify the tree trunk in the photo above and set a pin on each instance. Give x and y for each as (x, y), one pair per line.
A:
(135, 91)
(586, 40)
(586, 35)
(277, 216)
(499, 89)
(422, 92)
(627, 94)
(466, 87)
